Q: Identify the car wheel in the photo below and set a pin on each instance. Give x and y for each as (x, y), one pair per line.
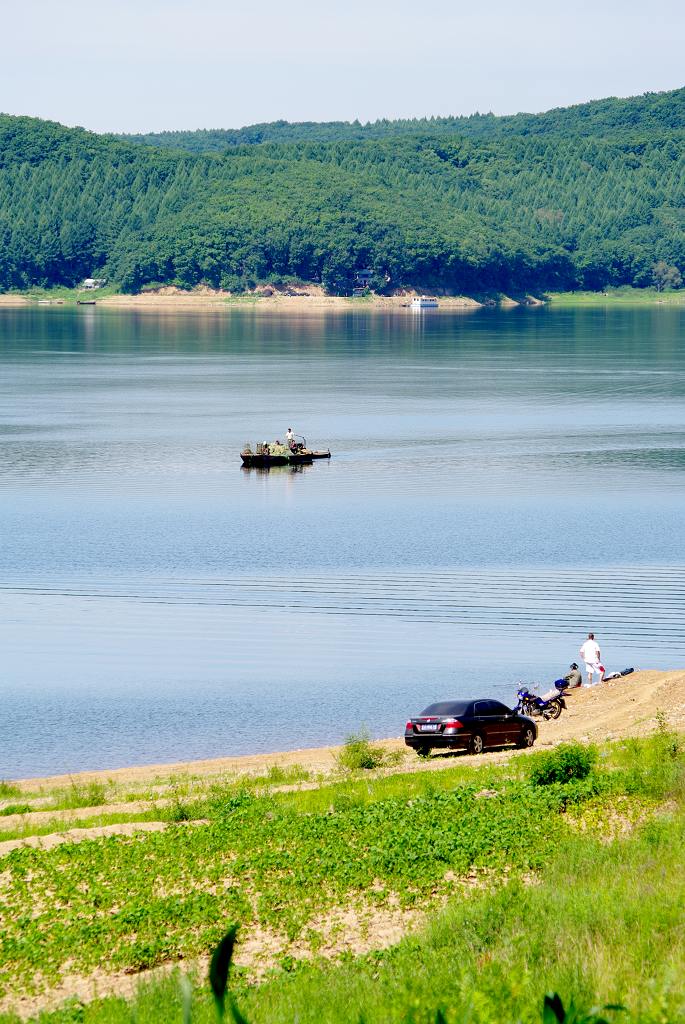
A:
(527, 737)
(554, 709)
(476, 746)
(423, 750)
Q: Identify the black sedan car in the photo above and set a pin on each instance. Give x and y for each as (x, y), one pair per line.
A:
(468, 724)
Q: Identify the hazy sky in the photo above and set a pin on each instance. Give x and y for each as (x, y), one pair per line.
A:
(143, 65)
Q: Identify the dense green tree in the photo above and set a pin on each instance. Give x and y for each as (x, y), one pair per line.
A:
(665, 276)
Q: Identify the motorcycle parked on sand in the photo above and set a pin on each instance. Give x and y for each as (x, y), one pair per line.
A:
(550, 705)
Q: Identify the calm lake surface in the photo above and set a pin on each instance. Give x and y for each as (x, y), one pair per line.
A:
(502, 482)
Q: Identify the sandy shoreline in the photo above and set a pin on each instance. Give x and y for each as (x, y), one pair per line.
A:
(207, 300)
(623, 707)
(314, 301)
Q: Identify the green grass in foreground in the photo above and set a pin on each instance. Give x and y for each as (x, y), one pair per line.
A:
(564, 906)
(619, 296)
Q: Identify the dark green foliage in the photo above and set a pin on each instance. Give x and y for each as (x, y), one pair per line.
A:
(15, 809)
(219, 967)
(569, 762)
(554, 1012)
(585, 197)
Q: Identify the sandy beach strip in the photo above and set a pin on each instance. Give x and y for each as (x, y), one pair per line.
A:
(614, 709)
(171, 299)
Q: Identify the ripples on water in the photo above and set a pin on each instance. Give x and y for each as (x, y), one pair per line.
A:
(501, 483)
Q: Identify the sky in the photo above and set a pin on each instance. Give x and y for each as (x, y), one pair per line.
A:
(155, 65)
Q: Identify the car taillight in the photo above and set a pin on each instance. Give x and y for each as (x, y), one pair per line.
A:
(409, 727)
(456, 724)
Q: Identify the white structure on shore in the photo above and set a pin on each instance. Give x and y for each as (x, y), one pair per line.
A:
(424, 302)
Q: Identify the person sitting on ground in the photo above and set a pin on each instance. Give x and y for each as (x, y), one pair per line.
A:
(573, 678)
(591, 655)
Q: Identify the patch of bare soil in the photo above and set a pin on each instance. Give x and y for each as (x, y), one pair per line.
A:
(309, 298)
(10, 822)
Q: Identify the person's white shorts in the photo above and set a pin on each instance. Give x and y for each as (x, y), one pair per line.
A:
(592, 668)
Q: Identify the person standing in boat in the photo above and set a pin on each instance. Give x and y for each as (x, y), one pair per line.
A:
(289, 437)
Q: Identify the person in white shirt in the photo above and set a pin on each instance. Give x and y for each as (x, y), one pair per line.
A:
(591, 655)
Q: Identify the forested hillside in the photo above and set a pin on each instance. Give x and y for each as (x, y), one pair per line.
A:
(583, 197)
(653, 111)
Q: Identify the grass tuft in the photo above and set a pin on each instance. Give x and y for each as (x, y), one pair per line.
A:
(93, 794)
(358, 753)
(14, 809)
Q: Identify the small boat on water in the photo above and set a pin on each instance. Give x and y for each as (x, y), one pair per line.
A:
(276, 454)
(424, 302)
(85, 302)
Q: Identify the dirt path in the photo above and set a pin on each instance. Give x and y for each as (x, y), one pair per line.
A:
(10, 822)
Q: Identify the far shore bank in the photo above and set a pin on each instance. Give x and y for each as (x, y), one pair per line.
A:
(169, 299)
(203, 299)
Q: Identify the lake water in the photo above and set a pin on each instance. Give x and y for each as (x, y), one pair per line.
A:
(501, 482)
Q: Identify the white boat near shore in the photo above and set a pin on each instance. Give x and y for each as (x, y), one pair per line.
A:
(424, 302)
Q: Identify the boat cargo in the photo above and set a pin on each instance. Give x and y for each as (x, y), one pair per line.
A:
(276, 454)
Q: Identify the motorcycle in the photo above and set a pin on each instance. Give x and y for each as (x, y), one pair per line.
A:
(550, 705)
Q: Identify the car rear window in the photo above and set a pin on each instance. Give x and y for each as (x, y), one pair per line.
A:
(447, 707)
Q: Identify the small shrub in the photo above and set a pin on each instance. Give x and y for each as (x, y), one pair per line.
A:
(568, 762)
(359, 753)
(8, 789)
(92, 795)
(15, 809)
(278, 776)
(669, 743)
(178, 811)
